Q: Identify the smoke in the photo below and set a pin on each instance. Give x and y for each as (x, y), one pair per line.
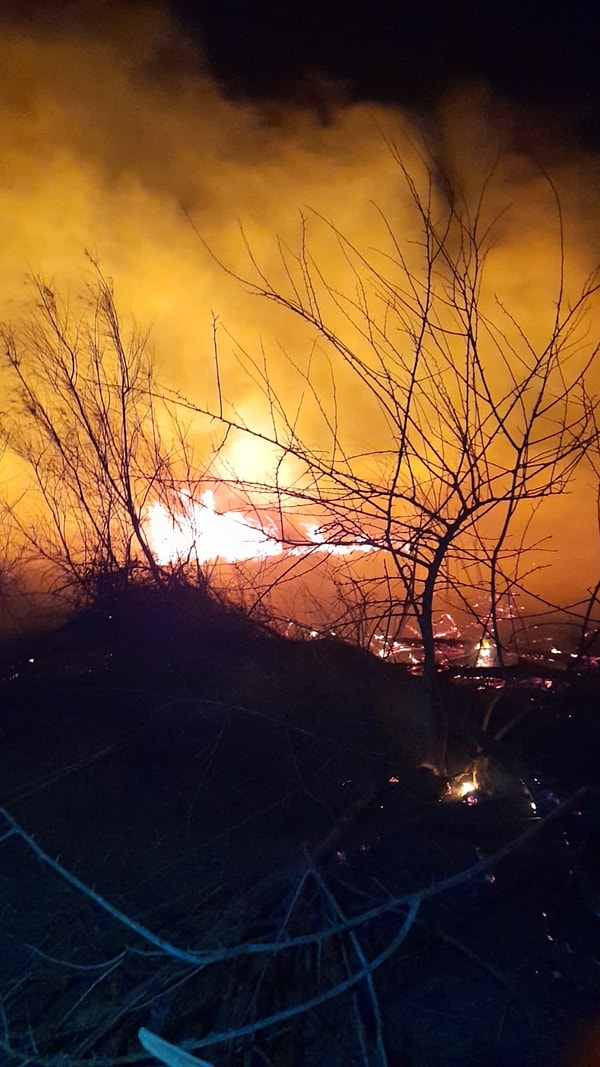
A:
(115, 139)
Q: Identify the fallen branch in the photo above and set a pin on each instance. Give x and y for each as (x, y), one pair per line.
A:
(220, 955)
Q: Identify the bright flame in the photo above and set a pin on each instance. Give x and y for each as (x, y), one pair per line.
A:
(463, 787)
(487, 653)
(201, 533)
(318, 540)
(467, 787)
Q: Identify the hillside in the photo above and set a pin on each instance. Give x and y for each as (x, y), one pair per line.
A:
(288, 885)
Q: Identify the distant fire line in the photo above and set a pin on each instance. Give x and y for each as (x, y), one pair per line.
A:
(202, 533)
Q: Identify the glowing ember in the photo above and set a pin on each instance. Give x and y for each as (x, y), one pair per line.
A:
(463, 787)
(487, 653)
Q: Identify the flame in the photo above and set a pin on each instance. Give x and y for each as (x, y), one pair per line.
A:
(200, 533)
(487, 653)
(317, 540)
(466, 787)
(463, 787)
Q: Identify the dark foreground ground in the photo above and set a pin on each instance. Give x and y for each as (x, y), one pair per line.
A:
(287, 887)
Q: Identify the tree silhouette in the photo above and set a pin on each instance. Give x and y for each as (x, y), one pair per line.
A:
(475, 422)
(82, 414)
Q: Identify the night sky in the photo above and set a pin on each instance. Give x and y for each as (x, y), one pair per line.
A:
(543, 53)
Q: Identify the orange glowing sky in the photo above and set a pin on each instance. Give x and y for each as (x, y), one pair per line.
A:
(109, 149)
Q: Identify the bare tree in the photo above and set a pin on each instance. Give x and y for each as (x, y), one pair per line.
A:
(83, 415)
(475, 423)
(10, 577)
(587, 612)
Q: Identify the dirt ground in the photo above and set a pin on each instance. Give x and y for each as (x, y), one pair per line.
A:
(261, 850)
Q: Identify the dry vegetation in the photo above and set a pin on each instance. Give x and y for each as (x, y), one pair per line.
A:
(219, 842)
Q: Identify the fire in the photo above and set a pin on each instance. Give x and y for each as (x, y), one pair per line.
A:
(487, 653)
(466, 787)
(463, 787)
(317, 540)
(138, 171)
(201, 533)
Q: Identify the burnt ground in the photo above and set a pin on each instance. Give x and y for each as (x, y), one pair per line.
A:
(241, 805)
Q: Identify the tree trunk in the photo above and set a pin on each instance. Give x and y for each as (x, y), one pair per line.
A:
(434, 711)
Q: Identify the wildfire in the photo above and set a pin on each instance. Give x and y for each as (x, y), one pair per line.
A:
(201, 533)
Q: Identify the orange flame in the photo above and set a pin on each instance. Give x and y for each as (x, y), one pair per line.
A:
(201, 533)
